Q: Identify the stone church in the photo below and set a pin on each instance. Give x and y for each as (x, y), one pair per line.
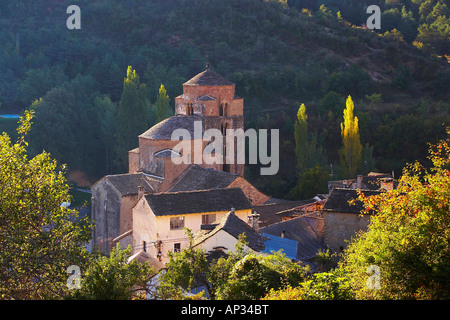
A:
(208, 99)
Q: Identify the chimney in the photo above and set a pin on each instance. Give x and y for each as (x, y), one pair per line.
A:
(359, 179)
(140, 192)
(255, 222)
(283, 233)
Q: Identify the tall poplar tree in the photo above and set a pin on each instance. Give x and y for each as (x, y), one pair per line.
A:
(301, 137)
(351, 152)
(162, 104)
(133, 116)
(311, 160)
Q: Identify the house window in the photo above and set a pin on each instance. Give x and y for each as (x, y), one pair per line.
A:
(208, 218)
(176, 247)
(176, 223)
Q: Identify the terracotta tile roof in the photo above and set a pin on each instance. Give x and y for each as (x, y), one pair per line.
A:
(269, 211)
(208, 78)
(164, 129)
(206, 97)
(338, 201)
(128, 183)
(177, 203)
(235, 227)
(198, 178)
(144, 257)
(307, 230)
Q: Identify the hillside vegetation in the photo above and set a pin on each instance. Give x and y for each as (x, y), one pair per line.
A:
(279, 54)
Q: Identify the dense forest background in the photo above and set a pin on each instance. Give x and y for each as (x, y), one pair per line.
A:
(279, 53)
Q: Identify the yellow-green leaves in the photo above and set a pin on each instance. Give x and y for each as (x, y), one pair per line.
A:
(38, 237)
(351, 152)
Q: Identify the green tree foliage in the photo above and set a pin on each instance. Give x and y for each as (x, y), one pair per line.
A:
(133, 117)
(106, 110)
(239, 275)
(275, 53)
(39, 237)
(310, 183)
(253, 276)
(162, 104)
(307, 150)
(354, 81)
(367, 159)
(408, 238)
(185, 270)
(113, 278)
(421, 20)
(38, 81)
(351, 152)
(301, 139)
(333, 102)
(331, 285)
(77, 131)
(311, 160)
(154, 76)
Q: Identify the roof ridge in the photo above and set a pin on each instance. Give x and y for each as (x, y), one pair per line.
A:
(177, 179)
(164, 129)
(208, 78)
(193, 191)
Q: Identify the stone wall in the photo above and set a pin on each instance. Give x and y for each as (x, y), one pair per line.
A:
(105, 212)
(339, 228)
(133, 161)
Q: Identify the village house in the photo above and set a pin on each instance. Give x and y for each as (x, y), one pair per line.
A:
(222, 236)
(303, 208)
(307, 230)
(160, 219)
(342, 220)
(372, 181)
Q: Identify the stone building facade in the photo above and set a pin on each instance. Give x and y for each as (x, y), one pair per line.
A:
(159, 219)
(208, 102)
(342, 220)
(113, 198)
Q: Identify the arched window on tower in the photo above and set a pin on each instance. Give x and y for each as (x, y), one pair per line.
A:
(189, 109)
(221, 110)
(225, 110)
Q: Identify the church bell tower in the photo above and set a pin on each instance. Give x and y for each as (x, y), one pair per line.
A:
(213, 97)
